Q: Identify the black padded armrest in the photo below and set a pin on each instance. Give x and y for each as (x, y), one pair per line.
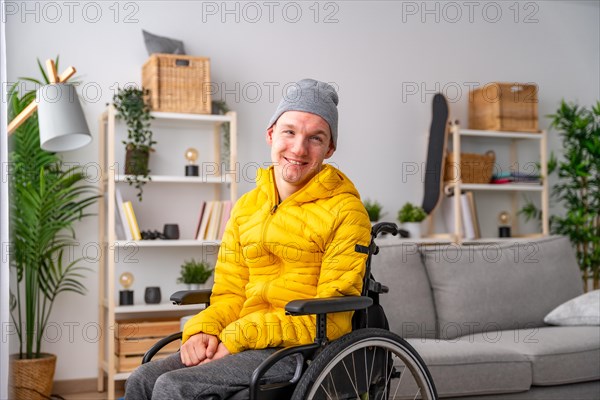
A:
(326, 306)
(184, 297)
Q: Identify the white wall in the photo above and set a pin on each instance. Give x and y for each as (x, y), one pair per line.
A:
(376, 53)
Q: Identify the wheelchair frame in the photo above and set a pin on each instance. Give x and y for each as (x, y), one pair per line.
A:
(320, 308)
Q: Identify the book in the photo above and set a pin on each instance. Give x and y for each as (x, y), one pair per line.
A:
(470, 224)
(122, 223)
(227, 205)
(132, 221)
(205, 220)
(200, 216)
(215, 218)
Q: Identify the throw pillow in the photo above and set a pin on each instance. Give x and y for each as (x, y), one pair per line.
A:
(582, 310)
(161, 44)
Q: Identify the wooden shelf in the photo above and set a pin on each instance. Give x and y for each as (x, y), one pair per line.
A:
(515, 187)
(179, 179)
(154, 308)
(501, 134)
(167, 243)
(209, 118)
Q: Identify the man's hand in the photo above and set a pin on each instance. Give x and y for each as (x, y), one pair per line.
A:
(220, 353)
(199, 347)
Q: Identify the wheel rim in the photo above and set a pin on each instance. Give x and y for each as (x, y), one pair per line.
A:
(341, 378)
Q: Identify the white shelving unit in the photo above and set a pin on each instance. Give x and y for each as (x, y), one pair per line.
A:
(515, 138)
(109, 265)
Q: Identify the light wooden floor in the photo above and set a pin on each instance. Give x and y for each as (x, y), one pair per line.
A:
(88, 396)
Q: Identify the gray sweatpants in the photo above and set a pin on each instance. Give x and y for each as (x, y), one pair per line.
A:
(170, 379)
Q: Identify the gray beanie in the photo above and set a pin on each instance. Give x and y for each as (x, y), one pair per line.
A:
(311, 96)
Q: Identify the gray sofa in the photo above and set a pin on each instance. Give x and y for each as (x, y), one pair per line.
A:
(475, 314)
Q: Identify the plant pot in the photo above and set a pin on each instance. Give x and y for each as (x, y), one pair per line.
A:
(136, 161)
(193, 286)
(413, 229)
(31, 379)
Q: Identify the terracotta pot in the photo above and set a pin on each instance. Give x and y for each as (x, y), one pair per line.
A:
(31, 379)
(136, 161)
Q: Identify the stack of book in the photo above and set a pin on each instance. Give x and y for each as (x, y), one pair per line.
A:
(469, 228)
(213, 219)
(516, 177)
(127, 226)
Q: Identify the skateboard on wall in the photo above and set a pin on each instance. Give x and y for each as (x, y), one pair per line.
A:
(436, 154)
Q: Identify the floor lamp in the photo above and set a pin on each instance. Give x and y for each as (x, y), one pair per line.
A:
(60, 116)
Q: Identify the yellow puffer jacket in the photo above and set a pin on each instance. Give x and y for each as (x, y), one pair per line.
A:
(273, 253)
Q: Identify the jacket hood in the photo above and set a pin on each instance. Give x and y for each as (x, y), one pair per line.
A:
(327, 183)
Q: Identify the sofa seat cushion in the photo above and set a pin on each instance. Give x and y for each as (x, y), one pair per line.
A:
(558, 355)
(461, 368)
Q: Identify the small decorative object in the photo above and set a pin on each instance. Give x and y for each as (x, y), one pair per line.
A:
(411, 216)
(152, 295)
(171, 231)
(126, 296)
(373, 209)
(162, 44)
(191, 169)
(504, 224)
(194, 273)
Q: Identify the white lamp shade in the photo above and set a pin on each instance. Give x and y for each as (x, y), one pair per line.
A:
(60, 117)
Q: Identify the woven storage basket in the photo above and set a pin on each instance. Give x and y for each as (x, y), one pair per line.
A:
(474, 168)
(31, 379)
(504, 107)
(178, 83)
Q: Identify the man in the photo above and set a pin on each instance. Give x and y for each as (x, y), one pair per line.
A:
(292, 237)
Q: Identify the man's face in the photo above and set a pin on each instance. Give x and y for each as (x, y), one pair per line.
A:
(299, 141)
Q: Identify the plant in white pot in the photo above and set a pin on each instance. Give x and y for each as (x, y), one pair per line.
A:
(47, 197)
(194, 273)
(411, 216)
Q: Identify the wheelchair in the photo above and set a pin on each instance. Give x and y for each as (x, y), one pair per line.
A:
(369, 363)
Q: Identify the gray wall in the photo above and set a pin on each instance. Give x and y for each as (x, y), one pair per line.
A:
(387, 58)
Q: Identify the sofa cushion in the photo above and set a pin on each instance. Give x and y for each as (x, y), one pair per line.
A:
(582, 310)
(461, 368)
(558, 355)
(409, 303)
(483, 287)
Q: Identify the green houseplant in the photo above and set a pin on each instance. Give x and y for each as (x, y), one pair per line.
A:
(577, 188)
(132, 108)
(373, 209)
(194, 273)
(220, 107)
(411, 216)
(46, 199)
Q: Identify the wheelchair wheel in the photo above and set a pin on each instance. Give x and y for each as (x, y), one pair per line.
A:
(367, 364)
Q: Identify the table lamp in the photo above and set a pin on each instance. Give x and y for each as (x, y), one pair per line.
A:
(60, 116)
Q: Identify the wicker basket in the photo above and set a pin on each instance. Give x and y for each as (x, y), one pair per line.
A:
(474, 168)
(178, 83)
(31, 379)
(504, 107)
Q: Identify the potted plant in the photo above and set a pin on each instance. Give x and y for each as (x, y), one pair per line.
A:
(411, 216)
(132, 107)
(46, 199)
(220, 107)
(194, 273)
(577, 188)
(373, 209)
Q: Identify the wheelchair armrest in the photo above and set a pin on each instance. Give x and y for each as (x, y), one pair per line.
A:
(184, 297)
(159, 345)
(328, 305)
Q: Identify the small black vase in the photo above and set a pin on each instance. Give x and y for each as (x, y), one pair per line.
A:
(152, 295)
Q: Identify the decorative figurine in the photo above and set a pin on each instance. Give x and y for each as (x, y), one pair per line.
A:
(191, 155)
(504, 224)
(126, 296)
